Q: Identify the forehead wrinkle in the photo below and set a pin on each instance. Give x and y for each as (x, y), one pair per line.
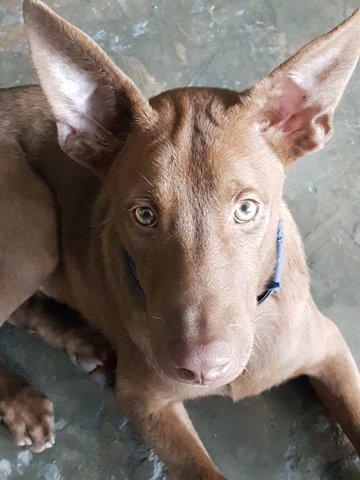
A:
(198, 185)
(169, 149)
(186, 169)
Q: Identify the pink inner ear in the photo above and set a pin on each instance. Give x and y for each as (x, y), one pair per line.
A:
(291, 112)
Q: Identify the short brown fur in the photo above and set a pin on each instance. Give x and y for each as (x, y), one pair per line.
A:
(191, 326)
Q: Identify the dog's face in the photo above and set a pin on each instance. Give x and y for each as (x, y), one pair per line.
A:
(197, 210)
(194, 179)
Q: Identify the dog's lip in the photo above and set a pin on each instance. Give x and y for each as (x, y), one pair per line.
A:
(200, 384)
(208, 384)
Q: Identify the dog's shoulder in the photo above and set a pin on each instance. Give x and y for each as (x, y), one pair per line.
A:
(25, 115)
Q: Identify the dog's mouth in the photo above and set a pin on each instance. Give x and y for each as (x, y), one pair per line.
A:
(211, 365)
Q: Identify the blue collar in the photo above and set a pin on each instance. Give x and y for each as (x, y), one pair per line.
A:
(273, 285)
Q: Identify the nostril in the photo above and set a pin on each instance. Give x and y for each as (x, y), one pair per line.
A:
(205, 375)
(186, 374)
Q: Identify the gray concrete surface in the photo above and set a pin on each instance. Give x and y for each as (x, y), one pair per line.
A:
(283, 434)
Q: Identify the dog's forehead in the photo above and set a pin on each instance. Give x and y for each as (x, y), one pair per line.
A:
(192, 118)
(203, 143)
(197, 158)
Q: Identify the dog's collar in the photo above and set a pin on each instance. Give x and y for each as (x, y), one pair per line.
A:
(273, 285)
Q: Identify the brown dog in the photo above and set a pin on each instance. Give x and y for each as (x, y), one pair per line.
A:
(170, 242)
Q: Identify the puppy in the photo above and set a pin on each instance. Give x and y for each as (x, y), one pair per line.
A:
(161, 222)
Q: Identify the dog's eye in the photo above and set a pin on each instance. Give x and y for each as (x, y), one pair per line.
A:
(145, 216)
(245, 211)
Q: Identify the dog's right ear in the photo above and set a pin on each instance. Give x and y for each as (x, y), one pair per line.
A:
(93, 102)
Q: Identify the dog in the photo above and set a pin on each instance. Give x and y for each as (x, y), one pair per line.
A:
(161, 223)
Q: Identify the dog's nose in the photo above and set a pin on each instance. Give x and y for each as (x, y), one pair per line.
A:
(201, 363)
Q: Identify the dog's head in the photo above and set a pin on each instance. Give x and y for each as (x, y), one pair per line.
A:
(194, 179)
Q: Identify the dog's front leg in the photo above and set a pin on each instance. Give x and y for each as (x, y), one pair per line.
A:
(167, 429)
(335, 377)
(62, 327)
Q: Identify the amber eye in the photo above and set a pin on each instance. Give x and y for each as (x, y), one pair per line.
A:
(245, 211)
(145, 216)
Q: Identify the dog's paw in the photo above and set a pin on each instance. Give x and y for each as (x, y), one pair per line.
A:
(29, 416)
(87, 349)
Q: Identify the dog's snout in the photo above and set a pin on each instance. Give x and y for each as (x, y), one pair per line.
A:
(201, 363)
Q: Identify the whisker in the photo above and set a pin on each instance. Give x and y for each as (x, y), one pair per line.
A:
(263, 316)
(165, 322)
(244, 377)
(146, 179)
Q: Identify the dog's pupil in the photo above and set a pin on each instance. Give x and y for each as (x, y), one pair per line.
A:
(147, 215)
(245, 208)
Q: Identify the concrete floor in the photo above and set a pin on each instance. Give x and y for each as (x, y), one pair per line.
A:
(283, 434)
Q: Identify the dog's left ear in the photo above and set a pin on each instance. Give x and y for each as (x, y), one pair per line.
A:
(94, 103)
(294, 105)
